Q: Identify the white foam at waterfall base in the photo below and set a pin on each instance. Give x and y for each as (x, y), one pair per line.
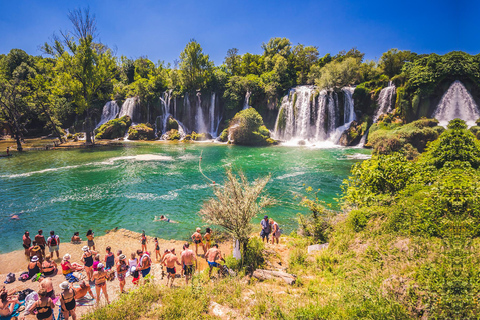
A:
(129, 108)
(109, 112)
(457, 102)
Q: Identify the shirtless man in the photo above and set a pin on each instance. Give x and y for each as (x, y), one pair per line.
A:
(144, 263)
(187, 261)
(40, 240)
(212, 255)
(197, 239)
(27, 242)
(169, 260)
(46, 284)
(83, 290)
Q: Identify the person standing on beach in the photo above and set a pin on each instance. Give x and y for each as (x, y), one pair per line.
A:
(187, 258)
(87, 258)
(109, 258)
(67, 301)
(212, 255)
(157, 250)
(53, 244)
(197, 239)
(40, 240)
(208, 239)
(144, 264)
(122, 269)
(27, 243)
(100, 278)
(275, 231)
(90, 242)
(44, 306)
(143, 241)
(265, 228)
(169, 260)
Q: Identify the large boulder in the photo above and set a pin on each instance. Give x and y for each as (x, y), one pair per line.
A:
(247, 128)
(113, 129)
(142, 131)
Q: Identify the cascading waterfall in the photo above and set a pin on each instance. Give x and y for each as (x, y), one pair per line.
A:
(385, 101)
(199, 118)
(129, 108)
(109, 112)
(247, 99)
(211, 110)
(457, 102)
(303, 116)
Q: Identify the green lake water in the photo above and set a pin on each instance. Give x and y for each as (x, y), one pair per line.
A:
(127, 186)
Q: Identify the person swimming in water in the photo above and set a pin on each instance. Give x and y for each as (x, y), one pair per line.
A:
(163, 218)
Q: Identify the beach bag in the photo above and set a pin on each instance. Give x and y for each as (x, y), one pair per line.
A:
(30, 300)
(53, 241)
(10, 278)
(24, 276)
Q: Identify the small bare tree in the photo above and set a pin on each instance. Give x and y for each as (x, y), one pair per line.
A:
(235, 204)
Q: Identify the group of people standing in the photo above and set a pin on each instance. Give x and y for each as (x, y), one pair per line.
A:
(269, 226)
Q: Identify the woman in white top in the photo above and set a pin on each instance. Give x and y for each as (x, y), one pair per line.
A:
(275, 231)
(133, 262)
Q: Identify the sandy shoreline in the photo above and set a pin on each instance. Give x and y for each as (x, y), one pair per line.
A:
(127, 241)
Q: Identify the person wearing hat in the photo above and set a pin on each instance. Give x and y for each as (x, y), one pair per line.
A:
(87, 259)
(34, 267)
(266, 229)
(68, 267)
(36, 250)
(67, 300)
(197, 239)
(122, 269)
(100, 278)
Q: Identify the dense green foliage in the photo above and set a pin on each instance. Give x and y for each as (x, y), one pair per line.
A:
(247, 128)
(410, 139)
(113, 129)
(430, 200)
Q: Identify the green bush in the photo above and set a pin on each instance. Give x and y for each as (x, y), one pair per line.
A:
(172, 124)
(173, 134)
(113, 129)
(142, 131)
(247, 128)
(224, 135)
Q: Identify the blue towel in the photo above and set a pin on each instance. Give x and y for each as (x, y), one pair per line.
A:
(14, 314)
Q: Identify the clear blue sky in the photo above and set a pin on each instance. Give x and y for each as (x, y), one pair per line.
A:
(160, 29)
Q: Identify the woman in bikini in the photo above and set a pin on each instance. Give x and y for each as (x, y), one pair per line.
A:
(44, 306)
(208, 239)
(157, 250)
(143, 240)
(90, 243)
(122, 269)
(34, 267)
(100, 277)
(67, 300)
(7, 306)
(87, 259)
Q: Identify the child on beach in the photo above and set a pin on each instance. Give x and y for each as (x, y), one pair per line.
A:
(143, 241)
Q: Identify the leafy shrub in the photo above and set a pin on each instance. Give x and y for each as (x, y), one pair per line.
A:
(247, 128)
(172, 124)
(224, 135)
(173, 134)
(142, 131)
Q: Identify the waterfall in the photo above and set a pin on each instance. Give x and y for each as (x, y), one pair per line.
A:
(129, 108)
(110, 112)
(385, 101)
(212, 115)
(349, 112)
(457, 102)
(247, 99)
(199, 118)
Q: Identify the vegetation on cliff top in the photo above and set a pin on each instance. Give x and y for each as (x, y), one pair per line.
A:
(247, 128)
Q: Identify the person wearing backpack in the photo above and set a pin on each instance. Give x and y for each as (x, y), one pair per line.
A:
(53, 243)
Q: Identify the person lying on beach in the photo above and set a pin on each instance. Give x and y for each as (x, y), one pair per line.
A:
(163, 218)
(83, 290)
(7, 305)
(76, 238)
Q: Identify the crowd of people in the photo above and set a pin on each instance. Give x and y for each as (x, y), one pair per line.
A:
(97, 271)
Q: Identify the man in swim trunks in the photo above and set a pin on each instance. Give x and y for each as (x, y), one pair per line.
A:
(187, 261)
(27, 242)
(40, 240)
(144, 263)
(266, 229)
(53, 244)
(212, 255)
(169, 260)
(197, 239)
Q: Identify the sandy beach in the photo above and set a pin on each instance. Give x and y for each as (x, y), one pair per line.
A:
(122, 239)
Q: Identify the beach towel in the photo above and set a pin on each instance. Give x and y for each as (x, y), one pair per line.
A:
(71, 278)
(84, 301)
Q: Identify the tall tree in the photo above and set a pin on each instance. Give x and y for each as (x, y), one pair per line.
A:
(195, 66)
(16, 71)
(85, 67)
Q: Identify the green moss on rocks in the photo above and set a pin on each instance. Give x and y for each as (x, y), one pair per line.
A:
(172, 124)
(224, 135)
(114, 128)
(172, 135)
(409, 139)
(247, 128)
(142, 131)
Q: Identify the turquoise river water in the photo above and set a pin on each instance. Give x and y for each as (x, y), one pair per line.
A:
(127, 186)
